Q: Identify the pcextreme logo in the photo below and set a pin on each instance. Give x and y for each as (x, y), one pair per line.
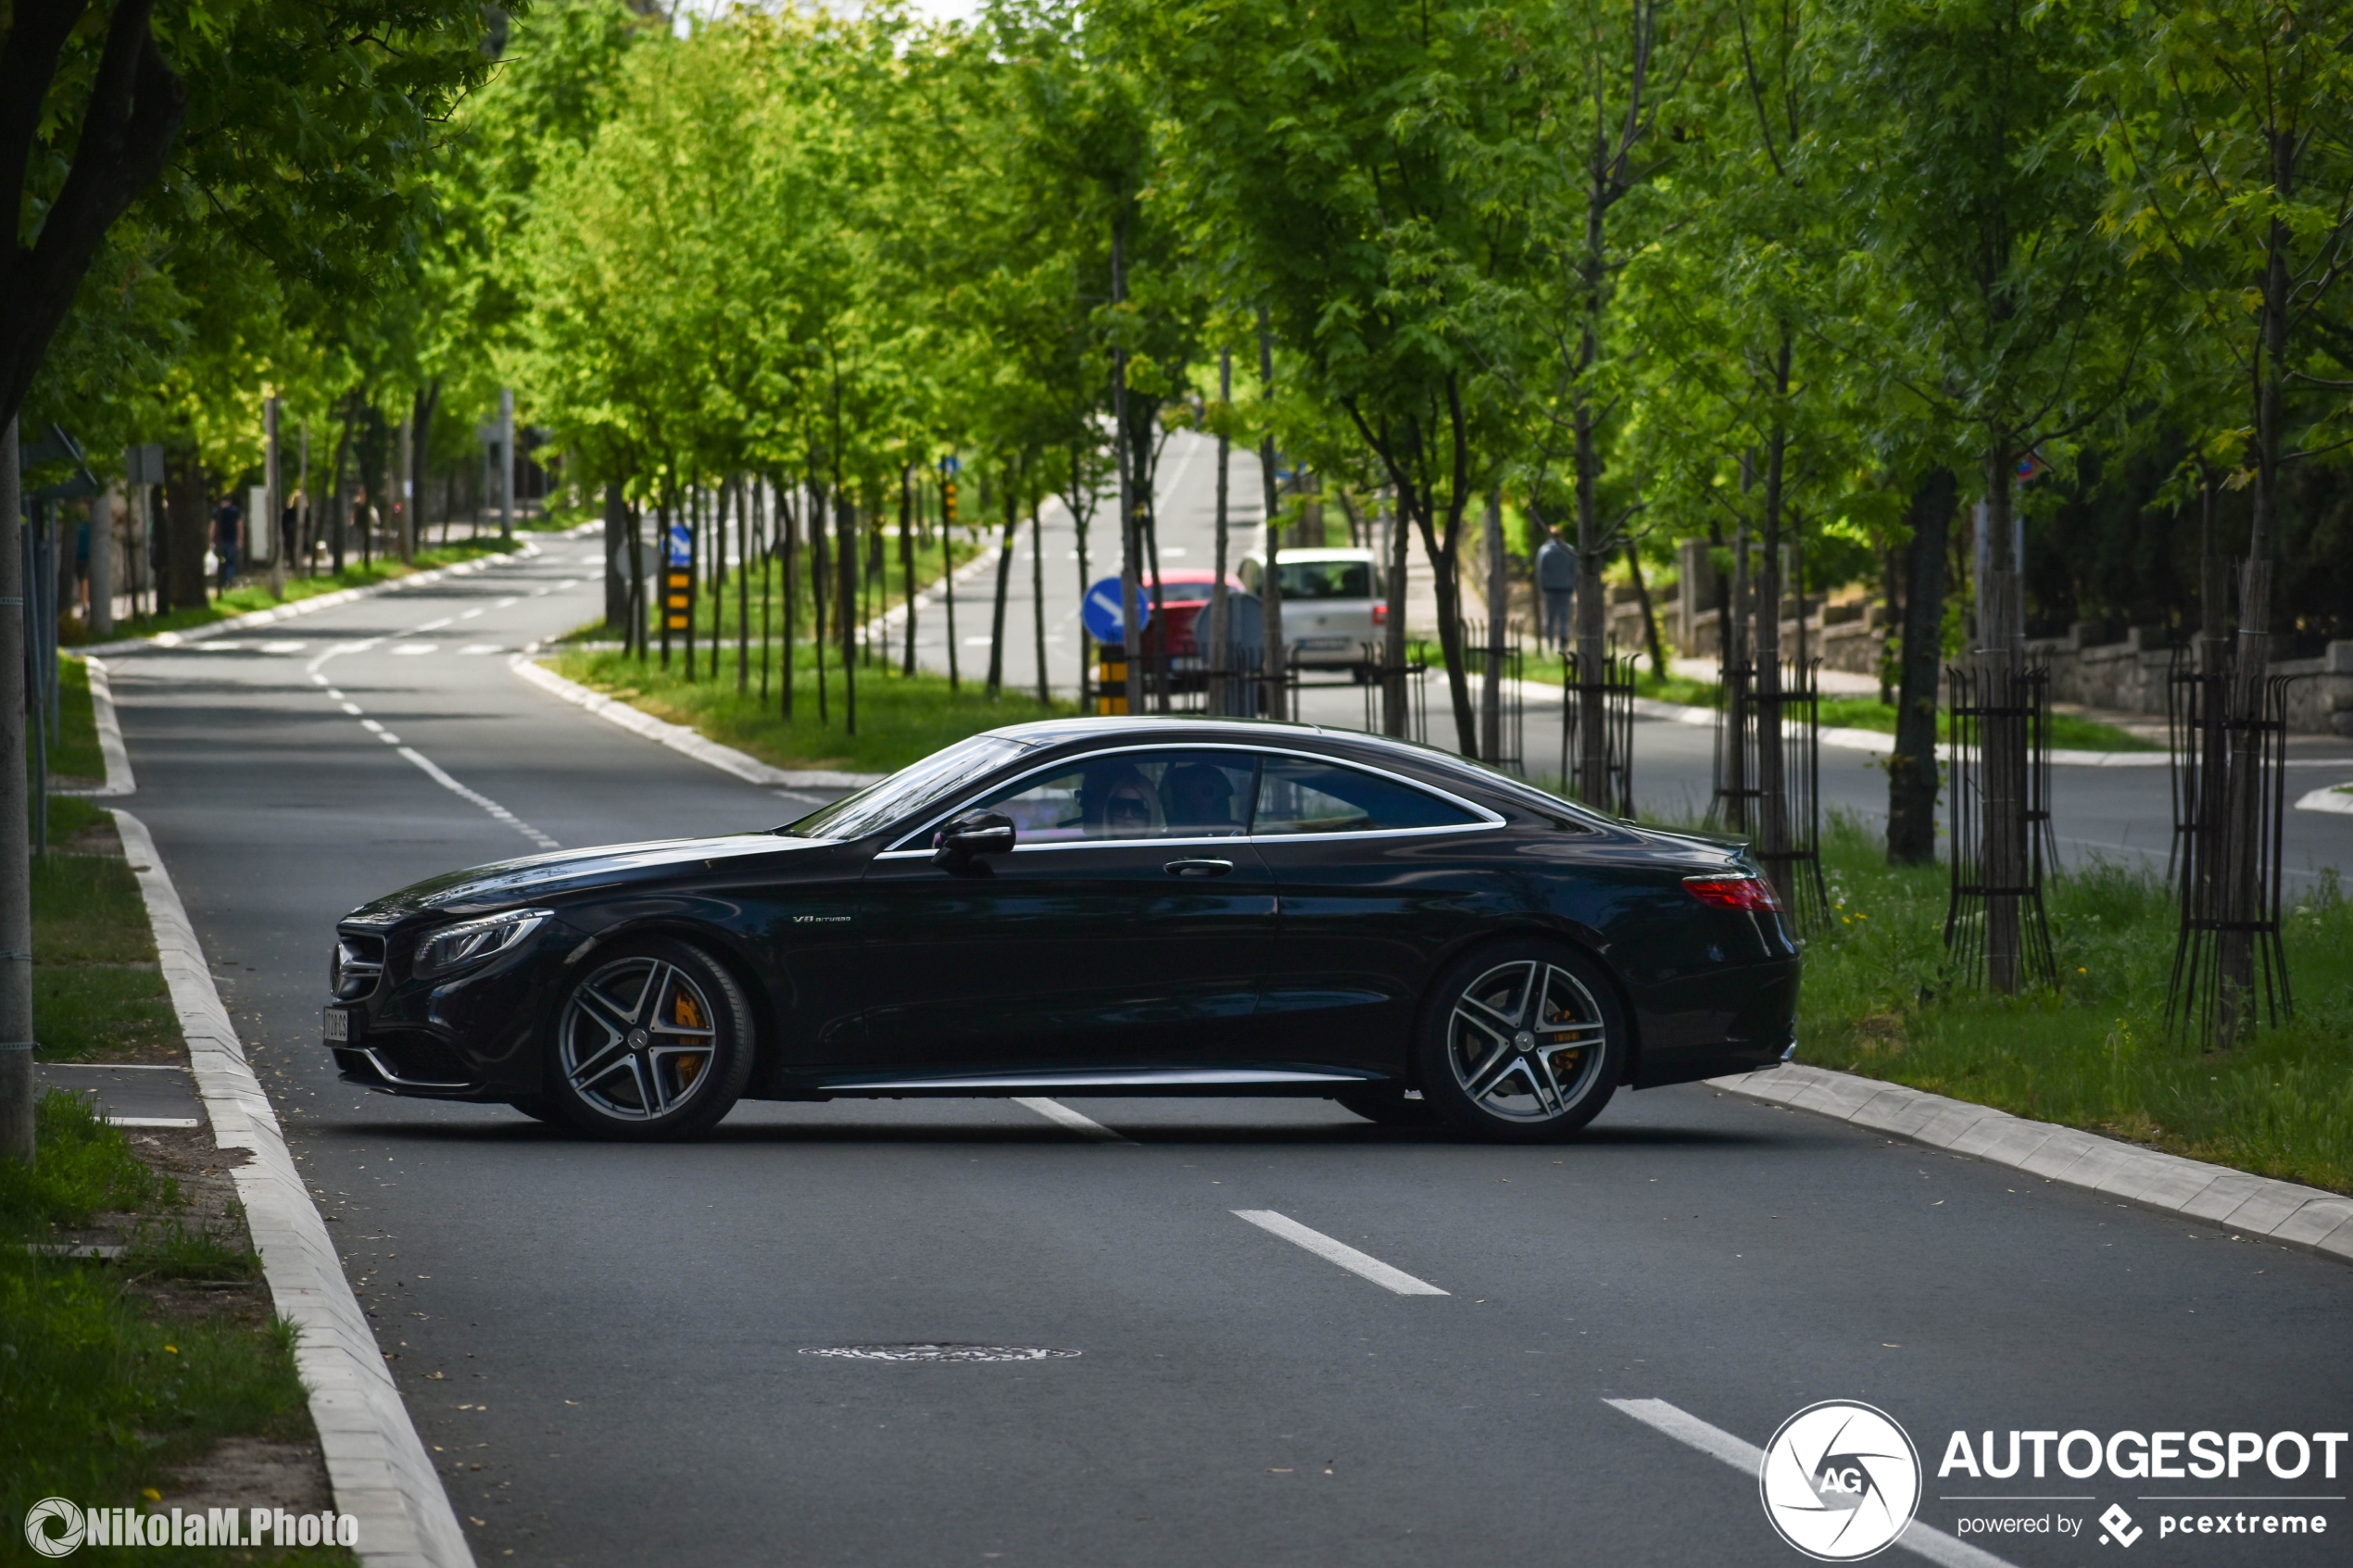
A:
(1839, 1481)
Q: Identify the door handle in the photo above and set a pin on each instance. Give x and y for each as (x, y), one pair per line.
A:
(1198, 868)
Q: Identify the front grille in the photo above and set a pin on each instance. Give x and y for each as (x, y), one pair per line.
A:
(357, 967)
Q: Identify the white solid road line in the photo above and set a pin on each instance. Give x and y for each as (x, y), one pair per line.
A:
(1340, 1252)
(1055, 1111)
(454, 787)
(1924, 1540)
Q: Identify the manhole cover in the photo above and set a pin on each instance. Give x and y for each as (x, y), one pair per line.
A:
(939, 1352)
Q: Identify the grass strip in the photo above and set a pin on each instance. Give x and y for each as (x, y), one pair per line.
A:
(1880, 999)
(251, 595)
(901, 719)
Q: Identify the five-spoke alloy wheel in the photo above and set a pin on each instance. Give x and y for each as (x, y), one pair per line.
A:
(654, 1041)
(1522, 1042)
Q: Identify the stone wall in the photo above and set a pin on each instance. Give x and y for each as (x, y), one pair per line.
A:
(2130, 677)
(2125, 677)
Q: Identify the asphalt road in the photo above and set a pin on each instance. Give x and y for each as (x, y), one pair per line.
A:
(616, 1337)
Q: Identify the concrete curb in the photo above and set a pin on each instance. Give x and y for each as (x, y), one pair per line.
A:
(119, 777)
(679, 738)
(2283, 1212)
(311, 606)
(894, 616)
(375, 1461)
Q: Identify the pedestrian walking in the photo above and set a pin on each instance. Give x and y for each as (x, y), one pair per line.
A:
(289, 526)
(1556, 580)
(224, 540)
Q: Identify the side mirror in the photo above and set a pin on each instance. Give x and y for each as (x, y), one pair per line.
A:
(975, 832)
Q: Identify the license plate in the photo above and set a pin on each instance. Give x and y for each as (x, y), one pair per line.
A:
(338, 1024)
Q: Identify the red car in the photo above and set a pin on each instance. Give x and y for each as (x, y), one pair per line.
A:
(1184, 594)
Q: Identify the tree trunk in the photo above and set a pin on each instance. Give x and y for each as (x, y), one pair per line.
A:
(16, 866)
(1772, 778)
(187, 518)
(1650, 616)
(1592, 605)
(1491, 685)
(1911, 767)
(1271, 587)
(1004, 585)
(2243, 855)
(1037, 601)
(2000, 656)
(617, 574)
(846, 555)
(907, 558)
(1220, 636)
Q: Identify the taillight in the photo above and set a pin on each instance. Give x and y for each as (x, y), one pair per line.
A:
(1751, 893)
(1381, 615)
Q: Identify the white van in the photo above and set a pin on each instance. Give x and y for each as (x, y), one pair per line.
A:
(1333, 604)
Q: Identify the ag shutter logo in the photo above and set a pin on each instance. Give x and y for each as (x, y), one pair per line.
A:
(1839, 1481)
(36, 1526)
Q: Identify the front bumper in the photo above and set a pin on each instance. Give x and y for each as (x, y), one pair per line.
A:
(478, 1035)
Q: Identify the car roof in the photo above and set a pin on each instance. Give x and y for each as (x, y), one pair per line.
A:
(1193, 574)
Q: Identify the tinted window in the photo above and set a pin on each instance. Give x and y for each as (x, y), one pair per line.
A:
(1298, 795)
(1327, 580)
(1132, 794)
(908, 791)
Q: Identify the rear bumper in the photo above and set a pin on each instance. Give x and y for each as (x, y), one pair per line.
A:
(1735, 1021)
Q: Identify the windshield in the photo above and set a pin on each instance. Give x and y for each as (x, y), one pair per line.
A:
(1327, 580)
(908, 791)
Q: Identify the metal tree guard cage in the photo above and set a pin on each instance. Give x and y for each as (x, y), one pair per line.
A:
(1794, 854)
(1611, 689)
(1413, 691)
(1476, 650)
(1733, 807)
(2019, 714)
(2209, 736)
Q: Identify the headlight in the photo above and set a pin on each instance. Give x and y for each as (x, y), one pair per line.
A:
(454, 946)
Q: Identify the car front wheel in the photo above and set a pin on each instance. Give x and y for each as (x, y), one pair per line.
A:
(654, 1042)
(1523, 1042)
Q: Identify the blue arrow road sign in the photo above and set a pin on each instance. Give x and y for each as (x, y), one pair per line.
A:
(1101, 611)
(682, 545)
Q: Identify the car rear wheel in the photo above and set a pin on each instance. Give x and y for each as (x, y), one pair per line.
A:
(1523, 1042)
(655, 1042)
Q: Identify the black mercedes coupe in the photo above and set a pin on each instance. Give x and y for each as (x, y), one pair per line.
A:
(1092, 907)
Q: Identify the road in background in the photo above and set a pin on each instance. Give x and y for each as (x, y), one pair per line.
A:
(607, 1347)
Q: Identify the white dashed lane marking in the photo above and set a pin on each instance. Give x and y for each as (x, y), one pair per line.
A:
(477, 798)
(1055, 1111)
(1362, 1264)
(1924, 1540)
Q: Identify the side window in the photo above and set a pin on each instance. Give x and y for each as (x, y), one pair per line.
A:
(1133, 795)
(1296, 796)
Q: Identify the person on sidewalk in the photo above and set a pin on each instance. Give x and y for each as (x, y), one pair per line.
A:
(224, 541)
(1556, 580)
